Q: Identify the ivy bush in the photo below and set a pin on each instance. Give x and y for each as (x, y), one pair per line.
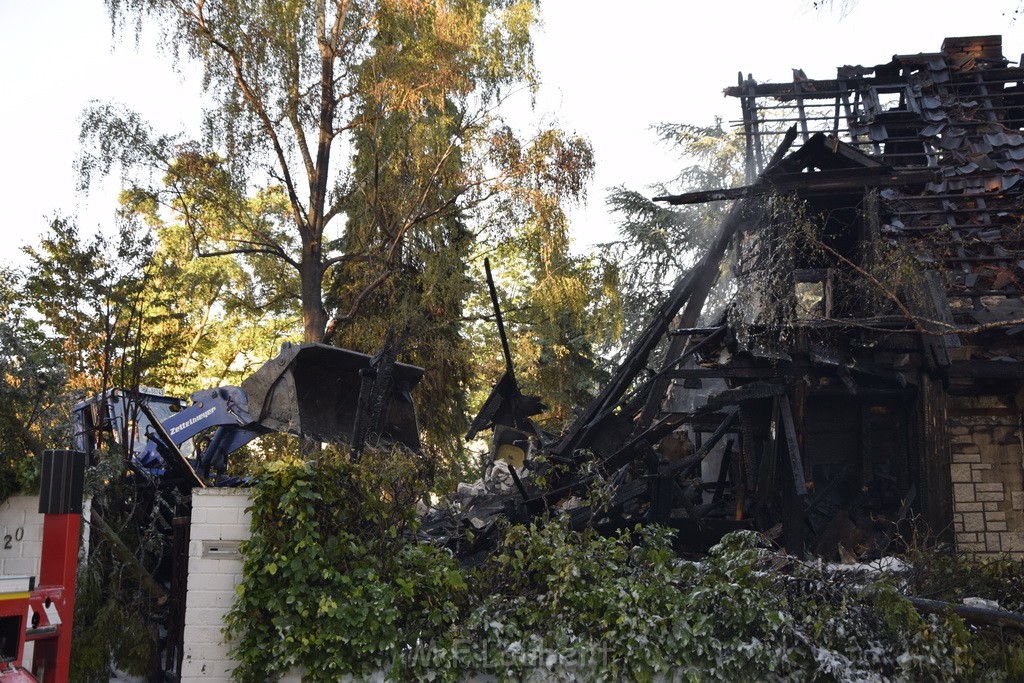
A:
(335, 582)
(331, 582)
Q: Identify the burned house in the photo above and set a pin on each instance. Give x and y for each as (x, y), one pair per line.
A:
(868, 376)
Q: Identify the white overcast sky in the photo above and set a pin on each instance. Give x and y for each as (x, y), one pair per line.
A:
(609, 69)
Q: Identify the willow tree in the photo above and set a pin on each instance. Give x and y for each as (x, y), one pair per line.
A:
(292, 86)
(446, 174)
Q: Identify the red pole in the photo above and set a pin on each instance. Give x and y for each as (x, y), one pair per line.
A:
(60, 502)
(58, 570)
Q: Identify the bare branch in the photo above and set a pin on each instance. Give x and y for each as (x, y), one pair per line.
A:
(257, 105)
(332, 324)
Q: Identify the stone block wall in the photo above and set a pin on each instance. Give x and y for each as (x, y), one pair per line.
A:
(987, 473)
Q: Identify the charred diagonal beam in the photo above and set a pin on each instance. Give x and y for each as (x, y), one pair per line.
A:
(498, 319)
(697, 348)
(686, 466)
(695, 305)
(692, 289)
(636, 359)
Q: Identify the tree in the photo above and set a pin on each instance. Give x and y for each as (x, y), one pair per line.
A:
(298, 90)
(659, 243)
(90, 293)
(32, 382)
(354, 160)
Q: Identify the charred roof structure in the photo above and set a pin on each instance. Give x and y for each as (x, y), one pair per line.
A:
(869, 372)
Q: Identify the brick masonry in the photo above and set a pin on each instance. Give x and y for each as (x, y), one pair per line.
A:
(987, 473)
(217, 515)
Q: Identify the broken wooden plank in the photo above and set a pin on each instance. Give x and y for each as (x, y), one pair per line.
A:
(971, 613)
(793, 447)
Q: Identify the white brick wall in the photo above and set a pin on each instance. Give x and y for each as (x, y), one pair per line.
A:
(20, 519)
(217, 515)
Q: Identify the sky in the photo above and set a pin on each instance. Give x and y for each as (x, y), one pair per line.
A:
(610, 70)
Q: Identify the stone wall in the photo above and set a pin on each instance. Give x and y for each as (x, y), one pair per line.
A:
(987, 473)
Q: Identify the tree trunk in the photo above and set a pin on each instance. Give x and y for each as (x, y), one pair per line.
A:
(314, 315)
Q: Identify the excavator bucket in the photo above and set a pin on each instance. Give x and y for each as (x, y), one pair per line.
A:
(312, 390)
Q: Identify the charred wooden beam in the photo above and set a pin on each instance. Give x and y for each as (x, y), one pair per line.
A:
(986, 369)
(819, 182)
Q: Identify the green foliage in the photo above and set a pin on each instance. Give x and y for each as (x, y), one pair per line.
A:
(658, 243)
(32, 389)
(331, 582)
(91, 293)
(335, 582)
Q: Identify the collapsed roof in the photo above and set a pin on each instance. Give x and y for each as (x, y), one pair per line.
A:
(839, 423)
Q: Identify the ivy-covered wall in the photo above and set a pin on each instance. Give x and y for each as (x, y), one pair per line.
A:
(220, 523)
(328, 587)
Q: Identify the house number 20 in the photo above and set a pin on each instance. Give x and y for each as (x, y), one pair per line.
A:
(19, 534)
